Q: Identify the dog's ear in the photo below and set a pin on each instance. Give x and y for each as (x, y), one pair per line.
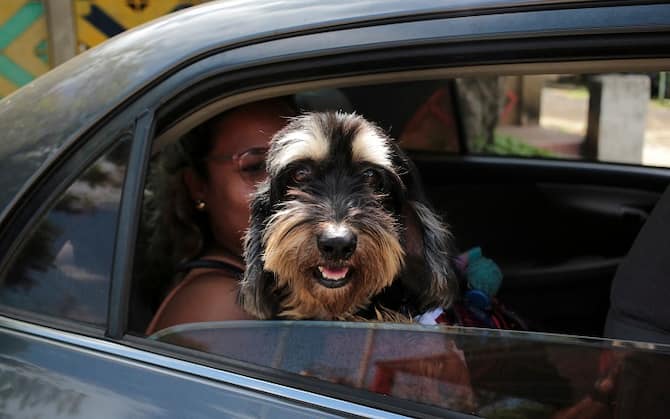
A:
(429, 273)
(257, 289)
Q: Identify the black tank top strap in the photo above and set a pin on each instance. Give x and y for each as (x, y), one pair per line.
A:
(231, 270)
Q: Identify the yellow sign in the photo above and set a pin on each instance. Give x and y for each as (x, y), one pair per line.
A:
(98, 20)
(23, 43)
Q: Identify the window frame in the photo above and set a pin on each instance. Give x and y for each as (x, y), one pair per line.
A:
(128, 225)
(243, 77)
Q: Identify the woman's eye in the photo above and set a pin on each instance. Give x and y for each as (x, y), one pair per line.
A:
(253, 163)
(302, 174)
(258, 167)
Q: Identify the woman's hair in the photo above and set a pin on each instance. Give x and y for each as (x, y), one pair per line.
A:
(172, 230)
(179, 226)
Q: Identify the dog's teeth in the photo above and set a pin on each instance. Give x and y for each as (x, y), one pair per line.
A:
(334, 274)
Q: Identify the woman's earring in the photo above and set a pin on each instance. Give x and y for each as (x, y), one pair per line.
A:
(200, 205)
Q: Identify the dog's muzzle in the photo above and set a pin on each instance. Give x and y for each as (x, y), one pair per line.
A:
(336, 245)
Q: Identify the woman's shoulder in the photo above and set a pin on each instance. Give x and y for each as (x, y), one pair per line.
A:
(219, 265)
(202, 282)
(205, 294)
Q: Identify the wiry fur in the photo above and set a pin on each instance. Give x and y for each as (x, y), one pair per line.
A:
(357, 180)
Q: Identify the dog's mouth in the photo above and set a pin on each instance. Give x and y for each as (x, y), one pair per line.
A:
(332, 276)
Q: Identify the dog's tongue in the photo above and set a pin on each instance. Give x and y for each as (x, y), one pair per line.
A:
(333, 273)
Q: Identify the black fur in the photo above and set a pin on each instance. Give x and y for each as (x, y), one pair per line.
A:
(334, 186)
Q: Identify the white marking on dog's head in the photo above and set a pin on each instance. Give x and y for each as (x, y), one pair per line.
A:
(370, 146)
(302, 139)
(308, 137)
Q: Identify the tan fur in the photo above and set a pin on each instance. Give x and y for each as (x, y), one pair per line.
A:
(291, 254)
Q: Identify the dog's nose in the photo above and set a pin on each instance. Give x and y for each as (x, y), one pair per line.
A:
(337, 243)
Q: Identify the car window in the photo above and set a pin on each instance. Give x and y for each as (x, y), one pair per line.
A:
(432, 119)
(64, 267)
(606, 117)
(488, 373)
(492, 373)
(615, 117)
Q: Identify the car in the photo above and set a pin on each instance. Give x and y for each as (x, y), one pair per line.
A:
(560, 184)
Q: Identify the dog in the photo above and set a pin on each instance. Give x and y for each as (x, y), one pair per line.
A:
(341, 229)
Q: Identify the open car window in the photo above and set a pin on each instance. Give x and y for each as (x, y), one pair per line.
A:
(529, 116)
(557, 237)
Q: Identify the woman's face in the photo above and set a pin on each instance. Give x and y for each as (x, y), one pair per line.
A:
(241, 132)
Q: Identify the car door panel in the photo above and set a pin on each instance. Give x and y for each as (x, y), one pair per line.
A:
(570, 227)
(47, 379)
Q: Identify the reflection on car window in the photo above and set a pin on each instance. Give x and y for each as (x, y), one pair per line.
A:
(486, 372)
(64, 267)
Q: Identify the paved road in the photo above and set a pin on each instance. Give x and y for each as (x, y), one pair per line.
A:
(567, 110)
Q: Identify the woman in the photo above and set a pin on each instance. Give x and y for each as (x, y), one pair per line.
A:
(225, 159)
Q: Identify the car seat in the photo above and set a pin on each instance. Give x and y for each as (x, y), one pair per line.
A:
(640, 294)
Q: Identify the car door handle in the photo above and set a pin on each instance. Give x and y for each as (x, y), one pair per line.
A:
(632, 213)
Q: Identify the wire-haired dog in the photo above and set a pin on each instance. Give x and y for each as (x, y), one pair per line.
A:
(341, 228)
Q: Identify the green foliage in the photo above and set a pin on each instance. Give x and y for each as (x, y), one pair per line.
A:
(509, 146)
(663, 103)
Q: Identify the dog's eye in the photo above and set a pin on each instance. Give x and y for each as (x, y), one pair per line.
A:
(302, 174)
(372, 178)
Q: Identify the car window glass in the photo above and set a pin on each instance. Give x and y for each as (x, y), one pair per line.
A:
(64, 267)
(489, 373)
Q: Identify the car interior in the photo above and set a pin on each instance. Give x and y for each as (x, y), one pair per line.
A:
(558, 226)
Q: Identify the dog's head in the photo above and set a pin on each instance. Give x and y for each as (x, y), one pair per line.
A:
(340, 219)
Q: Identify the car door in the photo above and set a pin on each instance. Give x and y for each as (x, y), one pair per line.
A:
(569, 235)
(557, 237)
(56, 302)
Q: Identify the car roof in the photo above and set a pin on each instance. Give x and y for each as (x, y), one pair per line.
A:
(43, 116)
